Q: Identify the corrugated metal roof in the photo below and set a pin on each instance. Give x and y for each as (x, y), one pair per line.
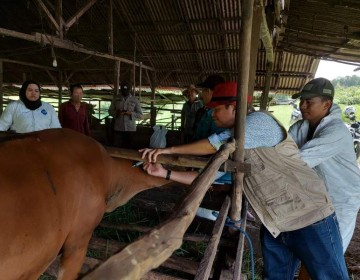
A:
(183, 40)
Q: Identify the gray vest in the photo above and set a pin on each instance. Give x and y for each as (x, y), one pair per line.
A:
(285, 193)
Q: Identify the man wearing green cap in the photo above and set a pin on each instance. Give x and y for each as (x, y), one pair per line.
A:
(289, 198)
(326, 146)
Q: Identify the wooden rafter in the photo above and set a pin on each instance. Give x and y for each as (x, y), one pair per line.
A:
(41, 4)
(56, 42)
(79, 13)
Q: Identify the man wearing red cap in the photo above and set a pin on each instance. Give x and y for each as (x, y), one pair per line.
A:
(289, 198)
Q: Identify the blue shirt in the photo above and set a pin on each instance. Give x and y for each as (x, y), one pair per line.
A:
(261, 130)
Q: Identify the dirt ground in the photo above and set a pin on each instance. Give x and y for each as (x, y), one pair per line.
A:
(352, 254)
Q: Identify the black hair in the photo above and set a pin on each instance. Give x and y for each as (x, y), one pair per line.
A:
(325, 98)
(31, 105)
(74, 86)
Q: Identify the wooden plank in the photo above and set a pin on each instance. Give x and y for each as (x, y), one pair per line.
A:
(154, 248)
(211, 249)
(178, 160)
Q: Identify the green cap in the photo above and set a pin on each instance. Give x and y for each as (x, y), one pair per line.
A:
(316, 87)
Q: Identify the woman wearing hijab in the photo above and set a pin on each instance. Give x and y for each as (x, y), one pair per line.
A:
(29, 113)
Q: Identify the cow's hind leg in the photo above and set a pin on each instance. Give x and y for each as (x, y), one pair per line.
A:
(72, 258)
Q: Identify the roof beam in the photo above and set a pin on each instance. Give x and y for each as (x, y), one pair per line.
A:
(49, 15)
(27, 64)
(82, 11)
(64, 44)
(318, 32)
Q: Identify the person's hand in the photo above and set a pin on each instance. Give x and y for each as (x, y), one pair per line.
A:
(152, 154)
(155, 169)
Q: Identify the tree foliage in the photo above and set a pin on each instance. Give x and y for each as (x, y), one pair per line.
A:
(347, 81)
(347, 90)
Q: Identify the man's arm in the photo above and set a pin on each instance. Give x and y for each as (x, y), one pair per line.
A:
(201, 147)
(184, 177)
(137, 114)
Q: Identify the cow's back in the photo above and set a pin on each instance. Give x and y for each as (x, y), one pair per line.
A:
(46, 178)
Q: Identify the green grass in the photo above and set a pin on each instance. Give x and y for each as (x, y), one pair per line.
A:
(282, 113)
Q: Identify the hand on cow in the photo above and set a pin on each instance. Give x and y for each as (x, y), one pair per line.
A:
(152, 154)
(155, 169)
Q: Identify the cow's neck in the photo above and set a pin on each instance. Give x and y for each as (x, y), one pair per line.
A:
(127, 181)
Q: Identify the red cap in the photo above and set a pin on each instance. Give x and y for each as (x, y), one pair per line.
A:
(225, 93)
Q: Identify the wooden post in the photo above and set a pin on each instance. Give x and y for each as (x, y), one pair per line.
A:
(116, 78)
(140, 76)
(240, 118)
(58, 16)
(255, 40)
(60, 82)
(241, 108)
(265, 94)
(134, 65)
(152, 80)
(1, 86)
(110, 28)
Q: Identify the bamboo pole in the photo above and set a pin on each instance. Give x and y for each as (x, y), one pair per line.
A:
(240, 119)
(241, 108)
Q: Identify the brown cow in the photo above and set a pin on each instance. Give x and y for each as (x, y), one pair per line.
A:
(55, 187)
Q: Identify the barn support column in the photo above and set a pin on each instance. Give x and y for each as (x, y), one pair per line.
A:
(241, 108)
(58, 18)
(116, 78)
(1, 87)
(140, 77)
(266, 38)
(152, 79)
(255, 40)
(60, 83)
(247, 8)
(134, 66)
(265, 93)
(110, 28)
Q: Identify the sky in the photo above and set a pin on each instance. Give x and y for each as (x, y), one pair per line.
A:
(331, 70)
